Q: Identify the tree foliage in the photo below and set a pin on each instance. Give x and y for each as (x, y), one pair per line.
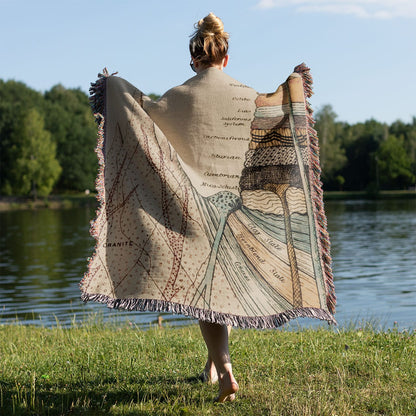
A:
(35, 168)
(332, 154)
(16, 99)
(69, 119)
(71, 132)
(394, 164)
(365, 156)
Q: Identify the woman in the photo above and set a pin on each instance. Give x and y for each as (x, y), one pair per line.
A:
(211, 203)
(209, 55)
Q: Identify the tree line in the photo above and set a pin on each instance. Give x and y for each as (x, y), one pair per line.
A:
(47, 143)
(367, 156)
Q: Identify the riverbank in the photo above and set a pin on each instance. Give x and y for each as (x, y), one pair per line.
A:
(104, 369)
(346, 195)
(64, 201)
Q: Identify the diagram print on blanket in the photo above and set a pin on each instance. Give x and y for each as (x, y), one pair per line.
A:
(253, 257)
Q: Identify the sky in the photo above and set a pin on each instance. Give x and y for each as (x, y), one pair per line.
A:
(361, 52)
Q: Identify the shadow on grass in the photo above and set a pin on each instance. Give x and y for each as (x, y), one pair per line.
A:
(100, 396)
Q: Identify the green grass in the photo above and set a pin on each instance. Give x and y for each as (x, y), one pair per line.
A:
(109, 369)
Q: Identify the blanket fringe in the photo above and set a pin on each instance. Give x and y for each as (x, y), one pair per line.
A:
(254, 322)
(316, 190)
(97, 92)
(97, 103)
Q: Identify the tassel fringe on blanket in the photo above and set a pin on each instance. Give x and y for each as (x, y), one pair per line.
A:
(247, 247)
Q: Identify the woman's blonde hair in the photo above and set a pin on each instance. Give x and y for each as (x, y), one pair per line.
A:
(209, 42)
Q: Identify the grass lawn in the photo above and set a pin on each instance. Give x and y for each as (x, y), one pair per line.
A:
(109, 369)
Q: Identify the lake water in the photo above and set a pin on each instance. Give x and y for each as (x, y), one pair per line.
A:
(43, 257)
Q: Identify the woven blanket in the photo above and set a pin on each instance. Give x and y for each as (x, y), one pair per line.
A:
(210, 202)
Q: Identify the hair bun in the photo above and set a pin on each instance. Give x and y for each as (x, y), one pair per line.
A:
(211, 25)
(209, 43)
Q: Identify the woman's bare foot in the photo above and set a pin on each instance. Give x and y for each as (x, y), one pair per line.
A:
(216, 338)
(209, 375)
(228, 388)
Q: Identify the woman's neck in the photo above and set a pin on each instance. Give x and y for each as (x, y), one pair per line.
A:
(201, 67)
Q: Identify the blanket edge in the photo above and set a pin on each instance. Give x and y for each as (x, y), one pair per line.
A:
(244, 322)
(317, 192)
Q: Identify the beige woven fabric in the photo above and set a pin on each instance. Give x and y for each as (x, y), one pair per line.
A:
(207, 121)
(210, 203)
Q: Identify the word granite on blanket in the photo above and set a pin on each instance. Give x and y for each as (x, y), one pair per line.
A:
(210, 202)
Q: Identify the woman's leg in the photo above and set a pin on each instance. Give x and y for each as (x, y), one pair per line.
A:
(216, 339)
(209, 373)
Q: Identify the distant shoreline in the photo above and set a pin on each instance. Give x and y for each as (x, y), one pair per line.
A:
(66, 201)
(61, 201)
(344, 195)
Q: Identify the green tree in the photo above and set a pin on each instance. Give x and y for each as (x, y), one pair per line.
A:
(153, 96)
(35, 168)
(408, 133)
(16, 99)
(361, 143)
(332, 154)
(394, 164)
(8, 113)
(70, 120)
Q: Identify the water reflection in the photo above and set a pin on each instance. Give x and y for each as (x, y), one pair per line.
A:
(374, 260)
(43, 257)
